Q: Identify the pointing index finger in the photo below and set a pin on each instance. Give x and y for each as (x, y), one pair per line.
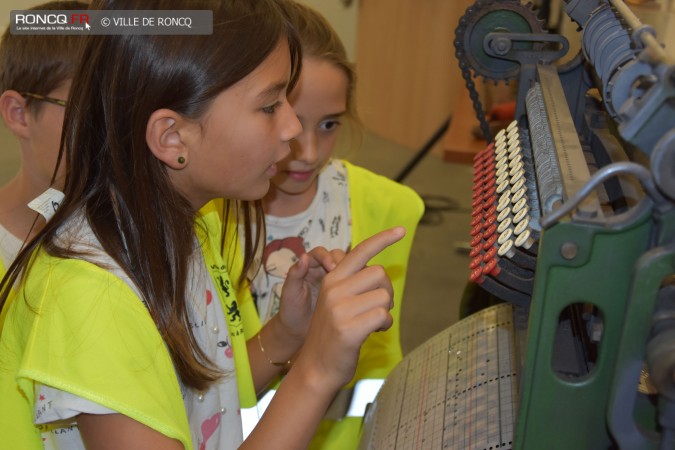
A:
(359, 256)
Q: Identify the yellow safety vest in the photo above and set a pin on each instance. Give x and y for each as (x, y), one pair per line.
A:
(77, 327)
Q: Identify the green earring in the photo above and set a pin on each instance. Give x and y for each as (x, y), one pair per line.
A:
(181, 160)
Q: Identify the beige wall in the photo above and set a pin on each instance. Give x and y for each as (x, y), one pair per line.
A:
(8, 5)
(408, 75)
(5, 7)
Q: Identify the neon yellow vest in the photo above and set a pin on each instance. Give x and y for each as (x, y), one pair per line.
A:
(86, 332)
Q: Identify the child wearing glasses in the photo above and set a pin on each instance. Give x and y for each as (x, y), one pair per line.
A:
(125, 331)
(35, 78)
(316, 199)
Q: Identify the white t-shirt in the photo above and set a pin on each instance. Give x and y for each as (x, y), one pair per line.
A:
(326, 222)
(213, 415)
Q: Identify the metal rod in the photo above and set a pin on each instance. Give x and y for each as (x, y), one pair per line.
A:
(607, 172)
(635, 23)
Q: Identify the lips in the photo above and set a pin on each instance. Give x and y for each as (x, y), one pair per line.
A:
(300, 176)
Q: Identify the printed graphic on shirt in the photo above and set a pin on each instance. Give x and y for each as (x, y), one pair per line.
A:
(228, 348)
(278, 257)
(326, 222)
(209, 426)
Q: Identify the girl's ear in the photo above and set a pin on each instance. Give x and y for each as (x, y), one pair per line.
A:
(14, 113)
(164, 135)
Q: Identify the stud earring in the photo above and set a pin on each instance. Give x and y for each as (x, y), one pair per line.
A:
(181, 160)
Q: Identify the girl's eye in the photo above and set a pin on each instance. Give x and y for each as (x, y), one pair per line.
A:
(328, 125)
(271, 109)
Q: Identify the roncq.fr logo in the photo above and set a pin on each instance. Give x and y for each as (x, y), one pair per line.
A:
(52, 19)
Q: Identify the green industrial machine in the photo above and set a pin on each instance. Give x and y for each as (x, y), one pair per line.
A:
(574, 229)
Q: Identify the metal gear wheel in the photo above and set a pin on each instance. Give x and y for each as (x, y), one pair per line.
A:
(487, 16)
(480, 19)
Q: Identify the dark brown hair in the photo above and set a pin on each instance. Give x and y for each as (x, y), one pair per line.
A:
(124, 192)
(39, 64)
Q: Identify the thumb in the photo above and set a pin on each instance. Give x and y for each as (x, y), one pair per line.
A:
(294, 283)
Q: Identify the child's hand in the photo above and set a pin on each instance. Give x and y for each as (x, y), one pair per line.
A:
(355, 300)
(301, 288)
(321, 261)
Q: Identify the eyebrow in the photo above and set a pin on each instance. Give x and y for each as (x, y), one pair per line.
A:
(337, 114)
(330, 116)
(273, 90)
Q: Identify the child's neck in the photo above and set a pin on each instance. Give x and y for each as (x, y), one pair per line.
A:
(281, 204)
(15, 215)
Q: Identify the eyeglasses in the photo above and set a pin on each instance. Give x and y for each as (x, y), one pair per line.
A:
(43, 98)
